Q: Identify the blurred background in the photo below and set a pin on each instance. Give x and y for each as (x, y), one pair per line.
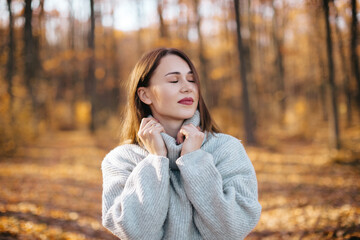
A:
(63, 64)
(281, 75)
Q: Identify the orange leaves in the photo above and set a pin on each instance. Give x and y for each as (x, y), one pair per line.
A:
(51, 64)
(52, 190)
(100, 73)
(304, 195)
(31, 230)
(220, 73)
(82, 113)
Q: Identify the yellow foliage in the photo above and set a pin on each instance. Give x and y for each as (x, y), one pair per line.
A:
(220, 73)
(68, 54)
(82, 113)
(4, 104)
(99, 54)
(109, 82)
(100, 73)
(64, 115)
(279, 95)
(119, 34)
(51, 64)
(19, 91)
(342, 108)
(82, 55)
(32, 230)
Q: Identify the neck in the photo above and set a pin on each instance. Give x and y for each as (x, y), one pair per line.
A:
(171, 126)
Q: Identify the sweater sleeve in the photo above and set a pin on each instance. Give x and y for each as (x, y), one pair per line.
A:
(224, 195)
(135, 196)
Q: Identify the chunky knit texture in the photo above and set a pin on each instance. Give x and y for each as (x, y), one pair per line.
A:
(210, 193)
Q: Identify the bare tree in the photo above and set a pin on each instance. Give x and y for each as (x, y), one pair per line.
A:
(345, 75)
(317, 35)
(11, 59)
(91, 68)
(31, 57)
(354, 57)
(117, 91)
(248, 117)
(334, 126)
(203, 61)
(140, 47)
(163, 29)
(278, 45)
(28, 47)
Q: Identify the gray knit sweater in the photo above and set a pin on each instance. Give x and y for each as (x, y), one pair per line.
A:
(210, 193)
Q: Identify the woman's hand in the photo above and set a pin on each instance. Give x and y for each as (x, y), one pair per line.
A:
(193, 138)
(149, 134)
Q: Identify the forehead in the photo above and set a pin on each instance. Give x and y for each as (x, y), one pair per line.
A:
(172, 63)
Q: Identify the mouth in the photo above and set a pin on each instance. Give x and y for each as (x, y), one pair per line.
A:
(186, 101)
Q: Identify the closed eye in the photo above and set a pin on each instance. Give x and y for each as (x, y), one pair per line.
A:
(190, 77)
(173, 78)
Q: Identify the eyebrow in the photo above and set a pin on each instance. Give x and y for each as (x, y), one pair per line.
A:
(170, 73)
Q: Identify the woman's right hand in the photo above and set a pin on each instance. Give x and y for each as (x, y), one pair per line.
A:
(149, 134)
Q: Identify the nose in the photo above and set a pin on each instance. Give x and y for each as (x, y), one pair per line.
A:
(186, 86)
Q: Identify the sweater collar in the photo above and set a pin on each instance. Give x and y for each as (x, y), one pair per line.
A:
(174, 149)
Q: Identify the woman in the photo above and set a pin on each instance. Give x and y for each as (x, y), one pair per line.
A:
(175, 176)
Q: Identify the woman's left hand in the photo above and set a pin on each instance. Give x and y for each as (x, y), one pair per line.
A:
(193, 138)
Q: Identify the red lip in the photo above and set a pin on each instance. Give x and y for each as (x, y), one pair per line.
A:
(186, 101)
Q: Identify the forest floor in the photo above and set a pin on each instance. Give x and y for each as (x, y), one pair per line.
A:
(51, 189)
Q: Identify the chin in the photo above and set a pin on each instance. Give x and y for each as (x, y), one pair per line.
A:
(176, 113)
(185, 114)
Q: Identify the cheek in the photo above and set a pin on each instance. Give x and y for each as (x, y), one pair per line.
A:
(163, 96)
(196, 92)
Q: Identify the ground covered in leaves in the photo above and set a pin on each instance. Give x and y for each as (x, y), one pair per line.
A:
(52, 190)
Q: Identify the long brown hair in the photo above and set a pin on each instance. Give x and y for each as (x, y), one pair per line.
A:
(140, 77)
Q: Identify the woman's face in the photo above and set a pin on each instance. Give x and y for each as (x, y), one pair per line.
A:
(173, 93)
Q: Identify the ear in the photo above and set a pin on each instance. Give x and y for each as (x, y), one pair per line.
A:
(142, 92)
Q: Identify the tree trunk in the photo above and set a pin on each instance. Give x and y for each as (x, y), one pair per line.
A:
(140, 50)
(91, 68)
(116, 69)
(228, 38)
(31, 60)
(317, 23)
(182, 22)
(354, 57)
(346, 78)
(71, 81)
(163, 30)
(41, 27)
(248, 117)
(11, 60)
(250, 65)
(278, 44)
(28, 49)
(204, 77)
(334, 123)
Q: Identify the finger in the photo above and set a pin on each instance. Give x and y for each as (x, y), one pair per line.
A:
(154, 129)
(180, 137)
(158, 128)
(144, 130)
(150, 123)
(184, 132)
(144, 121)
(191, 127)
